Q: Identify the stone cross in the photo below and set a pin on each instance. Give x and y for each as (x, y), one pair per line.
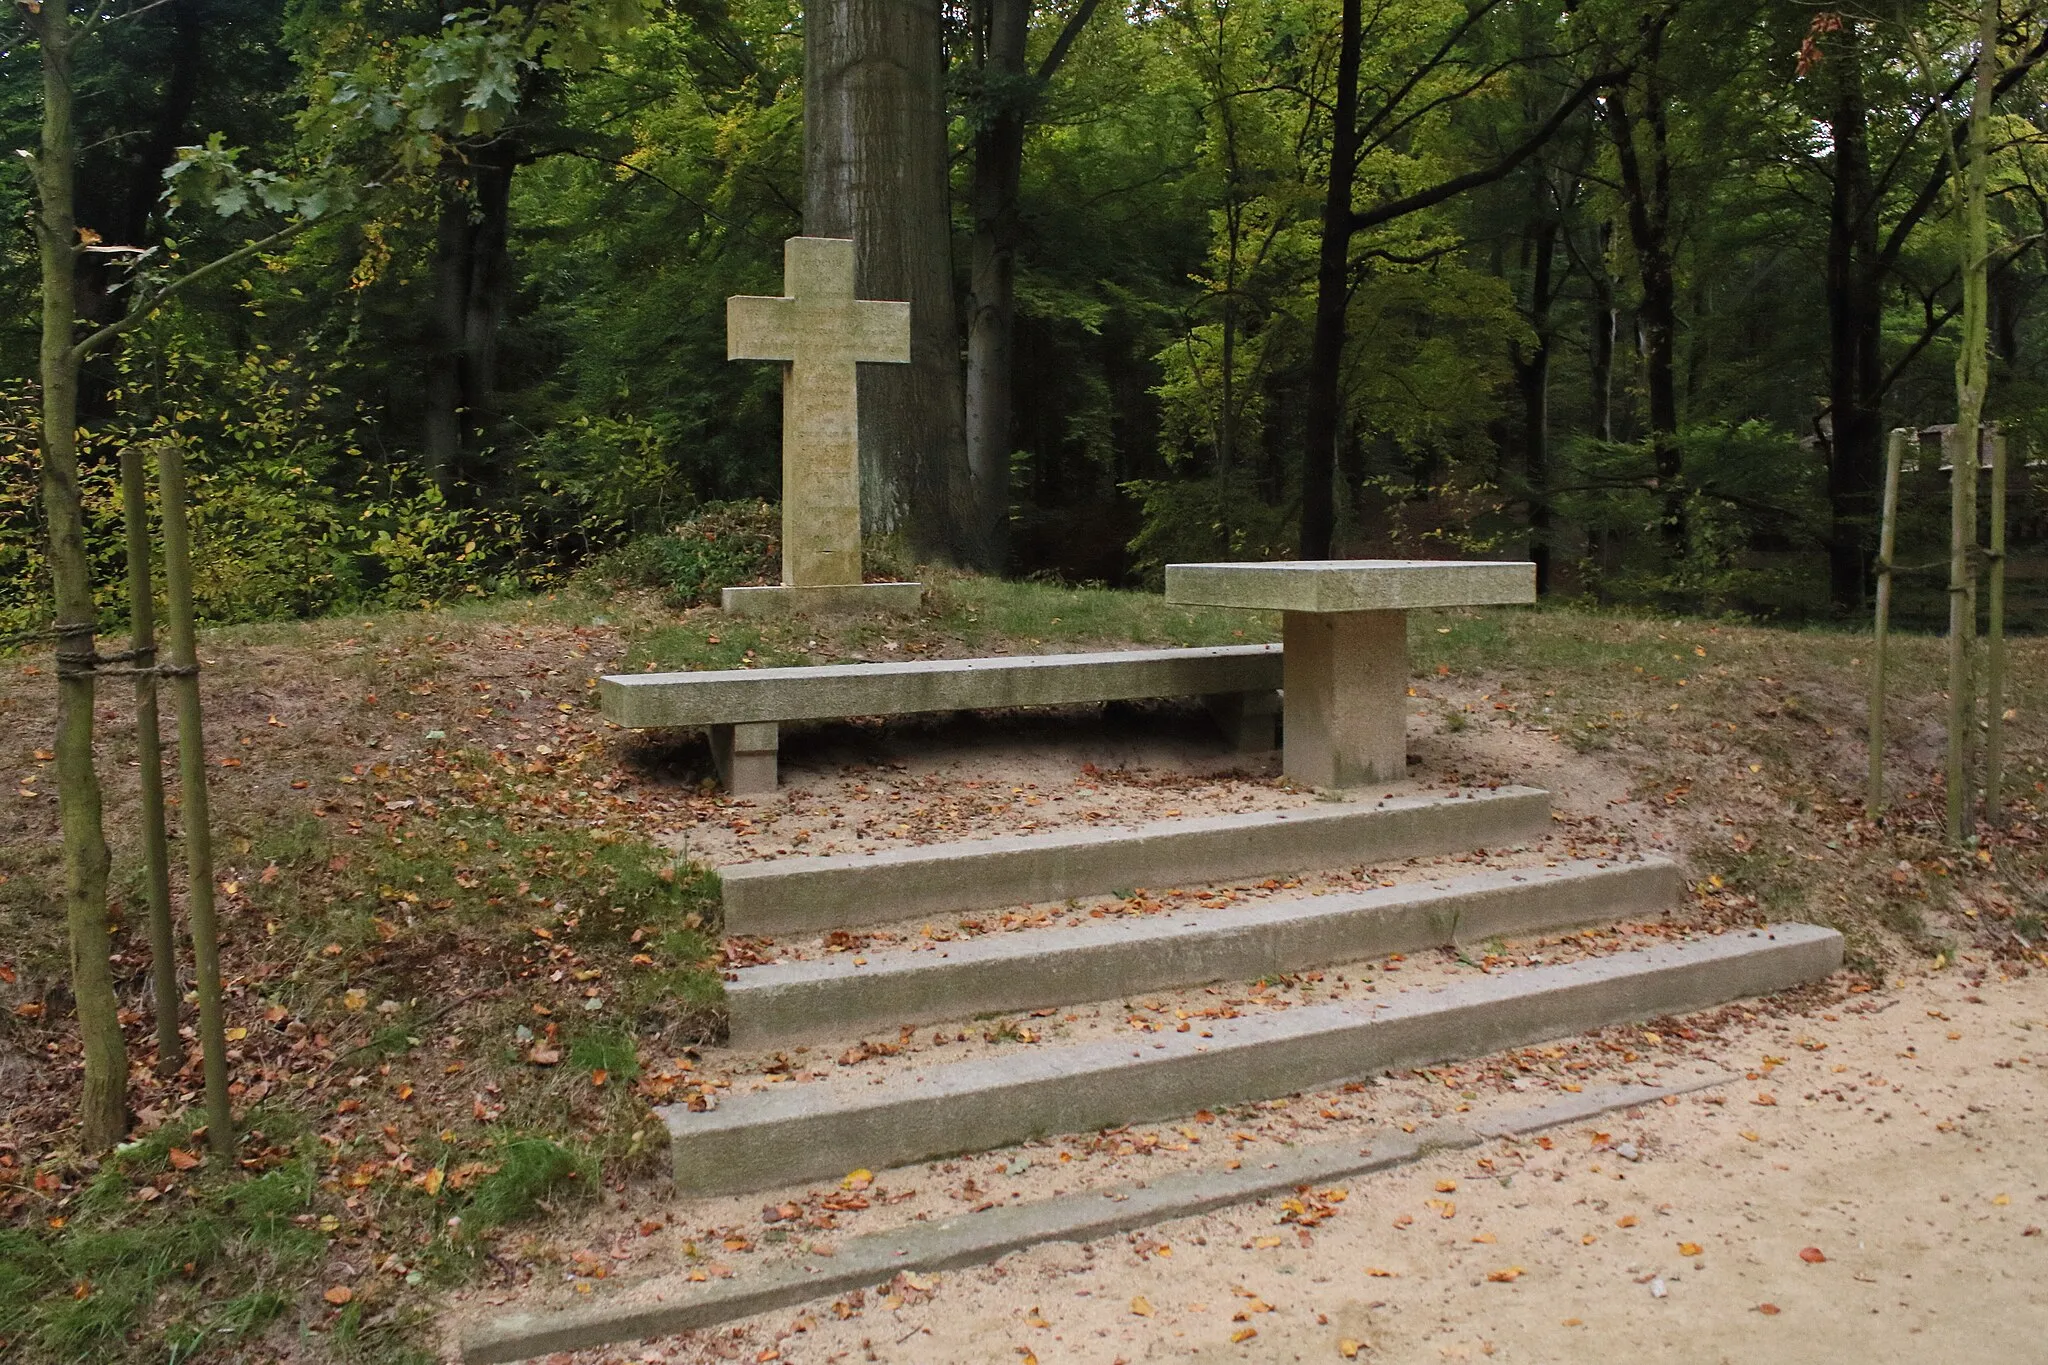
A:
(821, 331)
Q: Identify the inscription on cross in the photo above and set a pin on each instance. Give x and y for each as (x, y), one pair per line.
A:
(820, 331)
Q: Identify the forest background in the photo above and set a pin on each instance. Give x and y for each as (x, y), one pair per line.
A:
(1705, 256)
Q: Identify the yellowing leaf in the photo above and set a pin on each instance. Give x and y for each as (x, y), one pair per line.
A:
(1265, 1243)
(236, 1035)
(1141, 1306)
(1381, 1272)
(339, 1294)
(431, 1182)
(354, 999)
(1243, 1334)
(1688, 1248)
(1627, 1220)
(858, 1180)
(1446, 1186)
(1748, 1136)
(1485, 1237)
(1349, 1349)
(1507, 1276)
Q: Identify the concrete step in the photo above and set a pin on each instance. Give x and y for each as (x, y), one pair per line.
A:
(846, 994)
(844, 891)
(806, 1131)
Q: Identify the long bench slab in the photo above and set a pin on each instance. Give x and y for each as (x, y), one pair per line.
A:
(743, 708)
(842, 994)
(844, 891)
(807, 1131)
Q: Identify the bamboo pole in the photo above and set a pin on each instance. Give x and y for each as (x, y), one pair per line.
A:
(1994, 649)
(184, 672)
(1962, 625)
(1894, 457)
(156, 858)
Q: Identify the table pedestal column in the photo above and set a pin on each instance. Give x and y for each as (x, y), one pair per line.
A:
(1346, 677)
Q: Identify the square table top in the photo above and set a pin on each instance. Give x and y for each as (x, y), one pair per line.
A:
(1331, 585)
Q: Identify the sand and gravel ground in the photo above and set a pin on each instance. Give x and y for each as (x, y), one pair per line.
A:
(1866, 1185)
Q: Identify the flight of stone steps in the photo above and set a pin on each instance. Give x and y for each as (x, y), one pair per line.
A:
(1081, 969)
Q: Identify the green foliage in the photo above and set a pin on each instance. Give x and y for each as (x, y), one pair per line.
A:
(531, 1172)
(1204, 521)
(723, 545)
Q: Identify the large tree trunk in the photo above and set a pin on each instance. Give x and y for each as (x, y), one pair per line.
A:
(103, 1109)
(1648, 199)
(1333, 299)
(875, 168)
(991, 301)
(1855, 317)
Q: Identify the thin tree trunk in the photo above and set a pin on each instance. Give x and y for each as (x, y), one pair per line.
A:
(1532, 380)
(1972, 379)
(103, 1110)
(1333, 297)
(1855, 315)
(1602, 321)
(1648, 201)
(991, 302)
(875, 170)
(448, 328)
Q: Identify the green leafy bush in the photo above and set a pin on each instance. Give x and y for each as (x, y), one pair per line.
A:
(725, 544)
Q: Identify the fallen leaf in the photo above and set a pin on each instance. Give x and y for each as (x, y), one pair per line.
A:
(1747, 1136)
(339, 1294)
(1142, 1306)
(1627, 1220)
(181, 1159)
(858, 1180)
(2002, 1200)
(1349, 1349)
(1265, 1243)
(543, 1055)
(1769, 1310)
(1508, 1276)
(1688, 1248)
(1243, 1334)
(1446, 1186)
(1573, 1322)
(1812, 1255)
(1485, 1237)
(1382, 1273)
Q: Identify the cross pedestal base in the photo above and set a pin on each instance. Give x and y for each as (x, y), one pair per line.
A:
(901, 599)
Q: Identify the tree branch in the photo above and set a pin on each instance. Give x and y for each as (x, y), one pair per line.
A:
(144, 308)
(1457, 185)
(1069, 32)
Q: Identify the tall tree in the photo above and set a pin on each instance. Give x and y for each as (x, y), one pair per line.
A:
(1008, 96)
(875, 170)
(1441, 69)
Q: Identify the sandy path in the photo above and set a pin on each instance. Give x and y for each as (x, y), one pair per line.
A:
(1904, 1142)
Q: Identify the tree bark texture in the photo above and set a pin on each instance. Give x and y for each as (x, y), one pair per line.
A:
(103, 1109)
(1855, 317)
(875, 170)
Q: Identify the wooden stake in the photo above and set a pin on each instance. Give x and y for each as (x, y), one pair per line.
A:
(1994, 662)
(1962, 626)
(1895, 455)
(156, 858)
(198, 830)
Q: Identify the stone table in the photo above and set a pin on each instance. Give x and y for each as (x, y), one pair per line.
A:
(821, 332)
(1344, 625)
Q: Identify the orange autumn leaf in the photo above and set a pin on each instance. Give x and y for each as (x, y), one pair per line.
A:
(1688, 1248)
(339, 1294)
(1812, 1255)
(1627, 1220)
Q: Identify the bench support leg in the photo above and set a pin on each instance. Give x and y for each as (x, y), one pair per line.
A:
(1250, 721)
(745, 756)
(1346, 676)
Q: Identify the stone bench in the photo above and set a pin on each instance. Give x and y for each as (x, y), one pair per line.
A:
(743, 709)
